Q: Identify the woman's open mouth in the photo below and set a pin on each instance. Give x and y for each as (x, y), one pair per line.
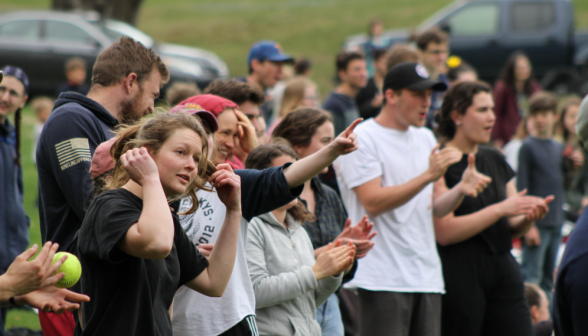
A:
(185, 178)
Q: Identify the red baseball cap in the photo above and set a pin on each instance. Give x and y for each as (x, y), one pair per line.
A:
(196, 109)
(102, 161)
(211, 103)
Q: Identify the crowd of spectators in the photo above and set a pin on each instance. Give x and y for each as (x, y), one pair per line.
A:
(251, 208)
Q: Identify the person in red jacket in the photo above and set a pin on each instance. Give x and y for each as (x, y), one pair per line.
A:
(511, 93)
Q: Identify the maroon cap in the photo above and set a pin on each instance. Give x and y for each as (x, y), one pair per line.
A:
(102, 161)
(196, 109)
(211, 103)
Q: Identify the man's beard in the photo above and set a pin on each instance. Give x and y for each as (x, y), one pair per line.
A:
(129, 109)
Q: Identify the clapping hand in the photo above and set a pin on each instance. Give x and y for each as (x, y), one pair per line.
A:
(472, 182)
(360, 235)
(539, 210)
(333, 260)
(534, 208)
(440, 160)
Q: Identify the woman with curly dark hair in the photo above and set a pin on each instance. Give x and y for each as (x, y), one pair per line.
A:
(483, 282)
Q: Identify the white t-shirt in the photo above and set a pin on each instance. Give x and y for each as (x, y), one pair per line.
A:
(198, 314)
(404, 257)
(511, 152)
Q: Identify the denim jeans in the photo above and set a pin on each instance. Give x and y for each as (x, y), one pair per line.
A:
(539, 261)
(328, 316)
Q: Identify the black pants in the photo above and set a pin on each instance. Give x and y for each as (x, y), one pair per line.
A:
(485, 295)
(247, 327)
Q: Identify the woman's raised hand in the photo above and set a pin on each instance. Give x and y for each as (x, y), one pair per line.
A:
(246, 132)
(139, 165)
(347, 142)
(473, 182)
(333, 260)
(228, 186)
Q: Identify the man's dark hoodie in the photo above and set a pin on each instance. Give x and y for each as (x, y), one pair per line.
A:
(14, 223)
(74, 129)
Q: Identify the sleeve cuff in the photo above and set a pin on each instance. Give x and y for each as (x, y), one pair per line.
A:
(307, 279)
(332, 283)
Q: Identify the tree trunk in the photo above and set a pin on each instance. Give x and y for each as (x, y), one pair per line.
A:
(123, 10)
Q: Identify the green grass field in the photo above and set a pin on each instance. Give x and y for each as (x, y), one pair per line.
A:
(311, 28)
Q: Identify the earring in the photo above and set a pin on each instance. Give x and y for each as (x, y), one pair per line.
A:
(457, 123)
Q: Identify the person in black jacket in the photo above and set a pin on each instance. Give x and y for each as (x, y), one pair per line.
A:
(126, 79)
(369, 99)
(14, 223)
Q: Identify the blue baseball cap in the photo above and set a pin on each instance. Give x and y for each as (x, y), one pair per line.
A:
(17, 72)
(267, 51)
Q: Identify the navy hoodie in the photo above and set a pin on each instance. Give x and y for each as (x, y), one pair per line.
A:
(14, 223)
(570, 301)
(74, 129)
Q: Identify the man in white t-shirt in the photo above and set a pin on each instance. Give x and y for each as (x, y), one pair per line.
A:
(389, 178)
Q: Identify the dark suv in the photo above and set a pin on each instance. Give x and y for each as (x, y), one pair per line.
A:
(41, 42)
(486, 32)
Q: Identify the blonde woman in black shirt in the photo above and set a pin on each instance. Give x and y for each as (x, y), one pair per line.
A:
(134, 253)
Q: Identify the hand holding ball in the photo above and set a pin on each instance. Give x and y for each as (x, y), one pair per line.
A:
(71, 267)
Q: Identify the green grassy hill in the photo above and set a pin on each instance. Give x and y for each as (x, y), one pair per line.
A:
(312, 28)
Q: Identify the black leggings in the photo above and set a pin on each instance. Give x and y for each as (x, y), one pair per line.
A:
(485, 295)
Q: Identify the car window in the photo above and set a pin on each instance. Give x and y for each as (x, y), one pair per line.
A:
(64, 32)
(23, 30)
(528, 17)
(475, 20)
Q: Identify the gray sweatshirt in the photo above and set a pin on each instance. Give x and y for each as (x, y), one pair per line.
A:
(540, 171)
(280, 264)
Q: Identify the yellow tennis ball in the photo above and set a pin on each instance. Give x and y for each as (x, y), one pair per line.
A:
(71, 267)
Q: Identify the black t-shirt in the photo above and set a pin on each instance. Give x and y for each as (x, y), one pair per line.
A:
(129, 295)
(496, 238)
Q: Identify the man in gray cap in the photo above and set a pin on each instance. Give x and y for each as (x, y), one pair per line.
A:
(570, 301)
(390, 178)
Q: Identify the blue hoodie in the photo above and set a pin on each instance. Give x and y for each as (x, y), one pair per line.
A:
(570, 301)
(74, 129)
(14, 223)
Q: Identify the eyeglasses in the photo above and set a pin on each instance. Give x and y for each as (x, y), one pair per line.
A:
(12, 93)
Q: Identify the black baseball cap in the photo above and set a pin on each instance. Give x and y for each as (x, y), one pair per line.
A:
(412, 76)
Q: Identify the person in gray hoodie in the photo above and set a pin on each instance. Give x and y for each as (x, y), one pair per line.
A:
(288, 282)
